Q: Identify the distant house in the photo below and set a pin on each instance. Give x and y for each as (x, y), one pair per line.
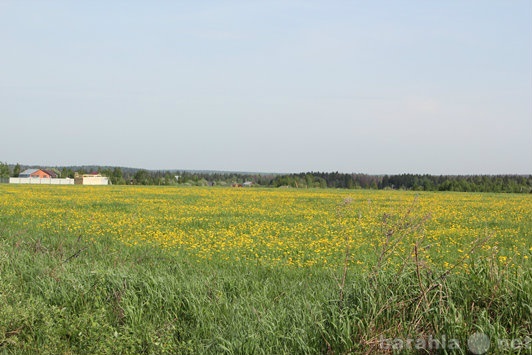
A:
(40, 176)
(37, 173)
(247, 184)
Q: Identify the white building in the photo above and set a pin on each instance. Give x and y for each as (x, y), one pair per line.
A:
(91, 179)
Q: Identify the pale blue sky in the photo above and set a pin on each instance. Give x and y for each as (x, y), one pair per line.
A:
(440, 87)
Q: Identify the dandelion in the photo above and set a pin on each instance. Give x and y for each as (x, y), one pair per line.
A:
(300, 228)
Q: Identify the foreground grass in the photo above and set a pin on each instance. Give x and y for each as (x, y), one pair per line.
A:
(61, 295)
(68, 292)
(111, 299)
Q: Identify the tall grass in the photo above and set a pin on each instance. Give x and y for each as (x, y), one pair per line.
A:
(60, 294)
(413, 306)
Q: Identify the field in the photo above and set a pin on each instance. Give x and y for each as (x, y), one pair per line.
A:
(127, 269)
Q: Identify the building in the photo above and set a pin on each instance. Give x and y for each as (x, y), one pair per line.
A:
(39, 176)
(36, 173)
(52, 173)
(91, 179)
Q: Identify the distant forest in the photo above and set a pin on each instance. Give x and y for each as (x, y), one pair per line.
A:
(416, 182)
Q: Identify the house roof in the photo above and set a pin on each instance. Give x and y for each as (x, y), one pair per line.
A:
(50, 172)
(28, 171)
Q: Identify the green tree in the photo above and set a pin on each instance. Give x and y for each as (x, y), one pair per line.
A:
(16, 170)
(4, 170)
(142, 177)
(67, 173)
(117, 177)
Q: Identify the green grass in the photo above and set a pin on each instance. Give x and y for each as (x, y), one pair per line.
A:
(59, 295)
(66, 294)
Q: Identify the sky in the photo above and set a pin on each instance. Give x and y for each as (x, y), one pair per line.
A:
(377, 87)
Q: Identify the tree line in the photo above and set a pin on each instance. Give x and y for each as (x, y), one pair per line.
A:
(416, 182)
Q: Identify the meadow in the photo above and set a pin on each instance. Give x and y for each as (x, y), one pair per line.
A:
(190, 270)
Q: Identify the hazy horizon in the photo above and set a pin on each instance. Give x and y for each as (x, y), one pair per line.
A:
(381, 87)
(41, 166)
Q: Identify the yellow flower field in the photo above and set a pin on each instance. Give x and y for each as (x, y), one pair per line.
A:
(280, 226)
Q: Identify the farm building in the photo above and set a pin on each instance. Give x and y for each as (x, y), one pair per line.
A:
(91, 179)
